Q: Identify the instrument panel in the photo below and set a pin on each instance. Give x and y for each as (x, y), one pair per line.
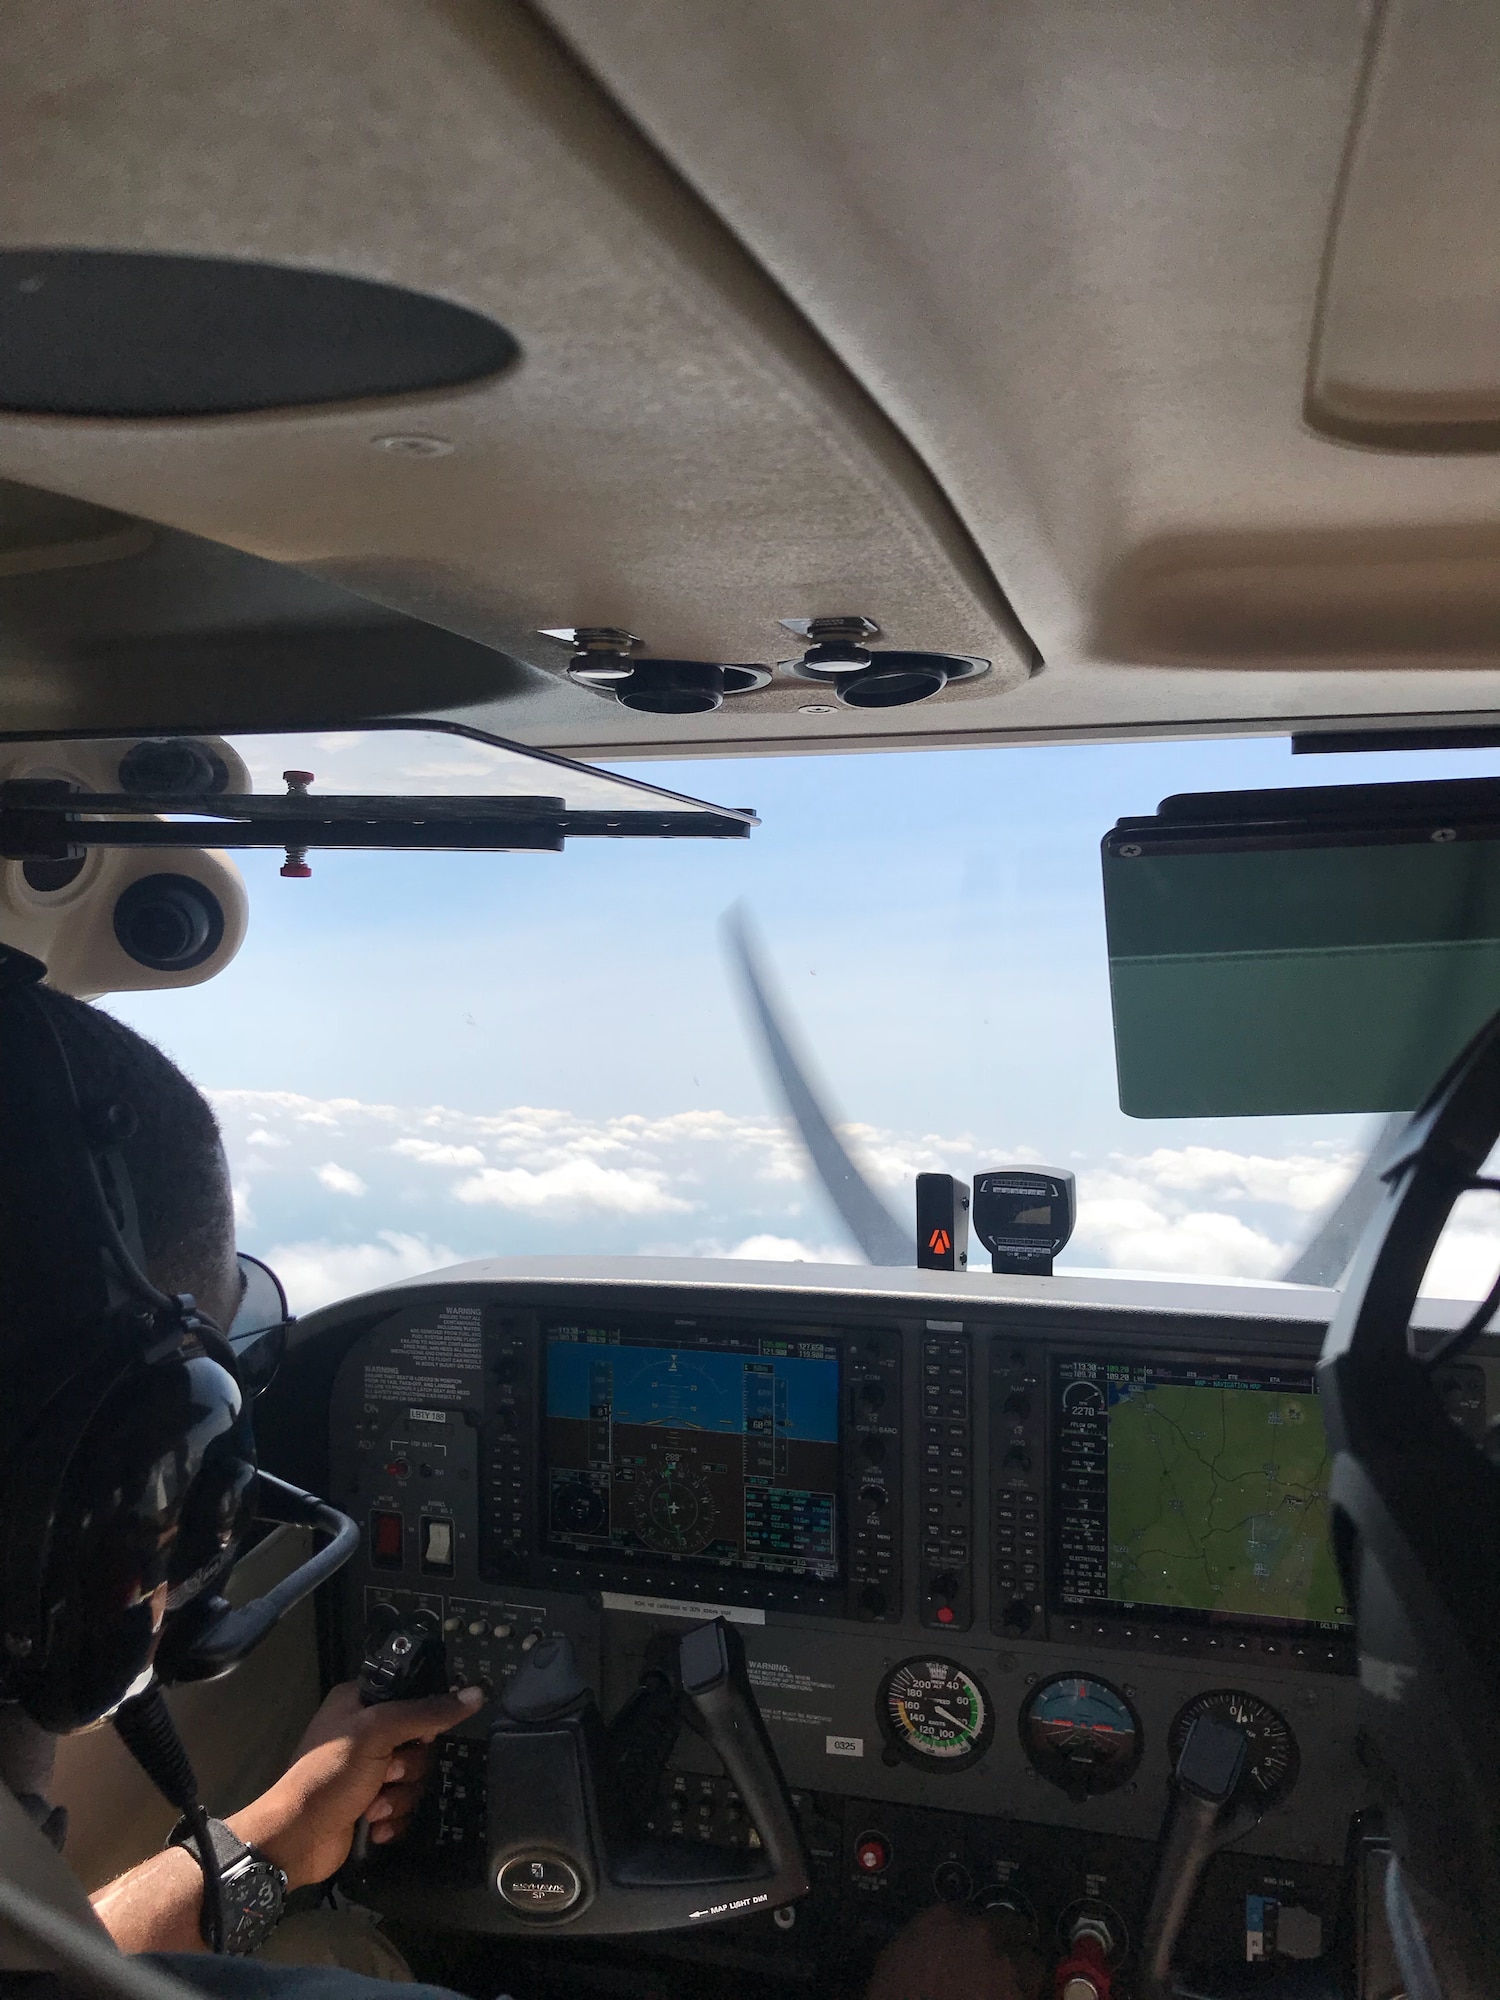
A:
(987, 1568)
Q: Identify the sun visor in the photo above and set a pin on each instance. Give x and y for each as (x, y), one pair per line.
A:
(1308, 950)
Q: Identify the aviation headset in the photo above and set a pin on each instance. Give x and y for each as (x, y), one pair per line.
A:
(128, 1476)
(1416, 1526)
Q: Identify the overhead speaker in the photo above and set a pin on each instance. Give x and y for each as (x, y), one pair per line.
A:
(125, 333)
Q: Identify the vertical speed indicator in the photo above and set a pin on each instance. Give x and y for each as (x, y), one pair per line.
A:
(934, 1714)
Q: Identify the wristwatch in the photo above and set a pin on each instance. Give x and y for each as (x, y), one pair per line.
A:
(254, 1887)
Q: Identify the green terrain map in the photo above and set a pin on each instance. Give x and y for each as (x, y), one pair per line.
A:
(1218, 1501)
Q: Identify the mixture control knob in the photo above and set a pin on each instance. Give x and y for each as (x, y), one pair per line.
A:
(1086, 1972)
(1018, 1405)
(1017, 1617)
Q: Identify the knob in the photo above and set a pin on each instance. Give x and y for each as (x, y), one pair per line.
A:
(1017, 1617)
(952, 1881)
(506, 1368)
(1019, 1457)
(945, 1586)
(1018, 1405)
(1080, 1986)
(872, 1395)
(873, 1449)
(871, 1602)
(872, 1854)
(873, 1496)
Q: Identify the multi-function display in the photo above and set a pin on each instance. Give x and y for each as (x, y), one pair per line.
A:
(663, 1447)
(1192, 1491)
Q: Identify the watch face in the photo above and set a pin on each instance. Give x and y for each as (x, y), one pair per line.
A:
(253, 1897)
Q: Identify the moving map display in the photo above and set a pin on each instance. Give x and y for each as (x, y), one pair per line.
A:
(722, 1450)
(1193, 1490)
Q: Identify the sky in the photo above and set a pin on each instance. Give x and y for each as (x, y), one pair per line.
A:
(418, 1059)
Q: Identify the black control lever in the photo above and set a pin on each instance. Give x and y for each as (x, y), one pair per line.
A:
(404, 1660)
(1203, 1815)
(565, 1842)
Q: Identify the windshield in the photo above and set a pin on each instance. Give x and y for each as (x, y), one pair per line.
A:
(421, 1058)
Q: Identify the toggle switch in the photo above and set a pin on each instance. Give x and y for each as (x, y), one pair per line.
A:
(387, 1534)
(437, 1544)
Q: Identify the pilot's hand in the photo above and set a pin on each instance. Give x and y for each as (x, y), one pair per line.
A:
(353, 1762)
(951, 1952)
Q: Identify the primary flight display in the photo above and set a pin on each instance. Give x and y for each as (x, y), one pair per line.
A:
(661, 1447)
(1194, 1490)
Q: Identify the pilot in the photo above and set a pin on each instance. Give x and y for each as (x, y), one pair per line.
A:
(353, 1762)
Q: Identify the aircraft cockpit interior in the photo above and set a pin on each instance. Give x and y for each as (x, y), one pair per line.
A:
(750, 999)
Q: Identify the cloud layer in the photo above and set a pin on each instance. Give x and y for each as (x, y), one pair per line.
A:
(343, 1194)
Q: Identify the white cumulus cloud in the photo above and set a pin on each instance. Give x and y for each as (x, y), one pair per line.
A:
(767, 1249)
(580, 1183)
(434, 1153)
(341, 1180)
(317, 1273)
(1308, 1182)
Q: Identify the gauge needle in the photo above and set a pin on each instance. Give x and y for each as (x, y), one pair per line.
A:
(946, 1714)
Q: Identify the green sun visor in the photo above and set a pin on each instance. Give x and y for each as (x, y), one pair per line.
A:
(1308, 950)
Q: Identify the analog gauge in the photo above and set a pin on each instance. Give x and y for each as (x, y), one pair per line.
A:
(934, 1714)
(1081, 1734)
(674, 1510)
(1271, 1756)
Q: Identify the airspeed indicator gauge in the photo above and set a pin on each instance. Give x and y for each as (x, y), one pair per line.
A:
(934, 1714)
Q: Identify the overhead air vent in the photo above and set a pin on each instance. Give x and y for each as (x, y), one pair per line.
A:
(114, 333)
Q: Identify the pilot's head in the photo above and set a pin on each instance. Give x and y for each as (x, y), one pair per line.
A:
(127, 1463)
(174, 1156)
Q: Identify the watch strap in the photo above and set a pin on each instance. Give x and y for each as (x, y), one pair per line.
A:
(228, 1848)
(244, 1932)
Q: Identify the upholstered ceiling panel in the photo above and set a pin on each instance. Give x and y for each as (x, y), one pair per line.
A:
(1075, 251)
(675, 452)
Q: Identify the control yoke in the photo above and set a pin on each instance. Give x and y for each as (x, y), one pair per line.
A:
(568, 1843)
(1209, 1806)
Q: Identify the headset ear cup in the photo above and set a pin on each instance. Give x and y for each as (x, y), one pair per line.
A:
(112, 1551)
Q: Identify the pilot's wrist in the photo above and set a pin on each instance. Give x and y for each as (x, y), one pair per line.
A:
(270, 1823)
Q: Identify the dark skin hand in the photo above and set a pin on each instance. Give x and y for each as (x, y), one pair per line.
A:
(352, 1761)
(953, 1952)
